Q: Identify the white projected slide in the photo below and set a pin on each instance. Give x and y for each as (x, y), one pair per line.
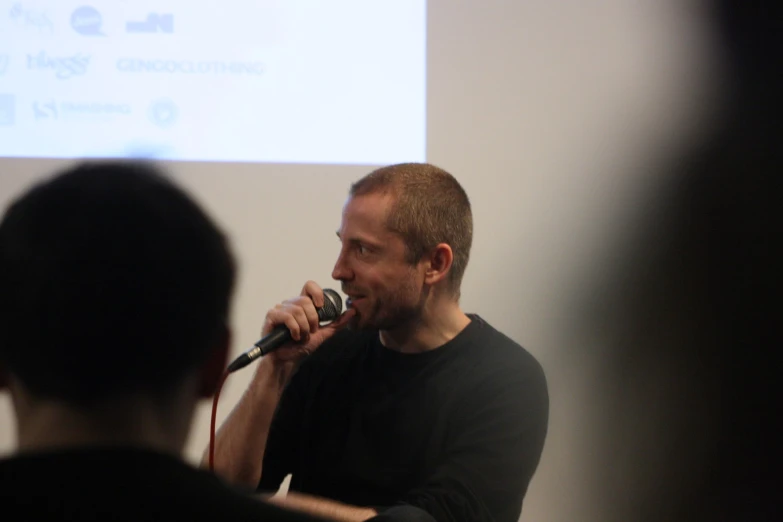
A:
(286, 81)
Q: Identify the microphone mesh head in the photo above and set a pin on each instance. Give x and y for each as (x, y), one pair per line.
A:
(333, 306)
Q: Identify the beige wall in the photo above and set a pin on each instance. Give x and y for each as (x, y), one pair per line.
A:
(549, 112)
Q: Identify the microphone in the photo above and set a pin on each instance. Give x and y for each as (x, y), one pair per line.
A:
(331, 310)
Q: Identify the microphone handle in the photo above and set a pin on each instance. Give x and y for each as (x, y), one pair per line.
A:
(276, 338)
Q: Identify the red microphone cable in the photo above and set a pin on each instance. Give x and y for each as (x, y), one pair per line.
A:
(212, 423)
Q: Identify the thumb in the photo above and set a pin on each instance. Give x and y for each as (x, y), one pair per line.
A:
(339, 323)
(330, 329)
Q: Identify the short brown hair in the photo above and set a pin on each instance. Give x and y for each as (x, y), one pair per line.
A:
(430, 207)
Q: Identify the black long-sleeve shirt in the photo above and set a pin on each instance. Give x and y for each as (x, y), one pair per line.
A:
(456, 432)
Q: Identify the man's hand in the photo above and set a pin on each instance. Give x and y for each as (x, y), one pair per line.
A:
(240, 443)
(300, 316)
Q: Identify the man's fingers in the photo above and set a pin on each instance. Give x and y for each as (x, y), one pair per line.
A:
(312, 317)
(301, 318)
(306, 313)
(307, 303)
(312, 290)
(278, 316)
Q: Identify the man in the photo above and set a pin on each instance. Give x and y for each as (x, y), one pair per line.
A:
(417, 411)
(113, 324)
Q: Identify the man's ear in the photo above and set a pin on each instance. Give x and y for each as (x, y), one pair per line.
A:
(215, 366)
(439, 264)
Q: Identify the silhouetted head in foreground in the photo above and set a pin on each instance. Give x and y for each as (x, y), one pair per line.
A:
(113, 310)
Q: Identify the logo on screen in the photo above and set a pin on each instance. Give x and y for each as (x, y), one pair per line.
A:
(64, 67)
(140, 65)
(45, 110)
(163, 112)
(4, 59)
(7, 109)
(90, 111)
(87, 21)
(154, 23)
(24, 16)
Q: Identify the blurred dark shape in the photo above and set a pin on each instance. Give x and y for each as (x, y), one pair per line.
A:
(694, 312)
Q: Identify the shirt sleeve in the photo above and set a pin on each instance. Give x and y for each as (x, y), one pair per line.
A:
(402, 513)
(496, 447)
(284, 433)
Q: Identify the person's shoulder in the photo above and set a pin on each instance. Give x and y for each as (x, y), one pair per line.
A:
(506, 376)
(499, 354)
(148, 486)
(497, 346)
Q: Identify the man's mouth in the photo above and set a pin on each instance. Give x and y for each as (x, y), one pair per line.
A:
(352, 300)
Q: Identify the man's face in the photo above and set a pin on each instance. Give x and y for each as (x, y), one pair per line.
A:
(385, 290)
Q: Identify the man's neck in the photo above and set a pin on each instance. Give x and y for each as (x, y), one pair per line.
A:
(436, 326)
(44, 426)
